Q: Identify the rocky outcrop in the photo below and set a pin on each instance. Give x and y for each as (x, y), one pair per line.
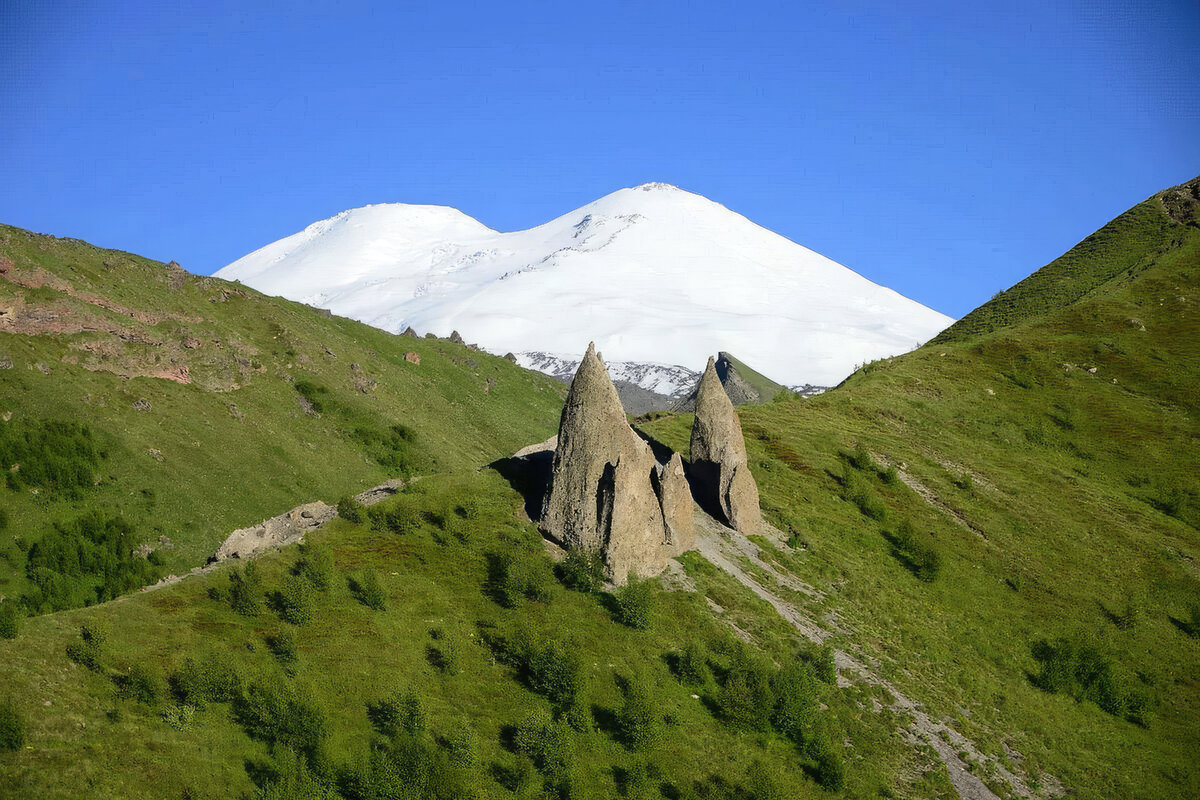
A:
(719, 468)
(608, 494)
(275, 532)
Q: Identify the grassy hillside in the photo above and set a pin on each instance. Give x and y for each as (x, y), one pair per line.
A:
(139, 401)
(1004, 525)
(1007, 511)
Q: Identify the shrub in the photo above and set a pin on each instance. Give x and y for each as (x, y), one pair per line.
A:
(638, 720)
(141, 684)
(795, 690)
(829, 771)
(3, 519)
(283, 646)
(855, 490)
(555, 670)
(745, 698)
(52, 454)
(276, 715)
(311, 392)
(350, 510)
(1080, 669)
(178, 717)
(294, 601)
(316, 566)
(446, 655)
(547, 743)
(861, 459)
(244, 588)
(293, 779)
(400, 519)
(10, 620)
(510, 580)
(917, 553)
(210, 680)
(12, 727)
(692, 665)
(823, 666)
(397, 714)
(86, 651)
(635, 602)
(581, 571)
(367, 590)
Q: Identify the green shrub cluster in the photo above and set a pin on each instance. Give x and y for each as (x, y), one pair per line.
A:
(50, 454)
(12, 727)
(198, 682)
(245, 589)
(367, 590)
(350, 510)
(639, 719)
(90, 558)
(916, 552)
(281, 716)
(312, 393)
(294, 602)
(581, 571)
(139, 683)
(399, 518)
(634, 602)
(10, 620)
(856, 490)
(393, 448)
(87, 650)
(549, 745)
(1080, 669)
(512, 580)
(397, 714)
(316, 566)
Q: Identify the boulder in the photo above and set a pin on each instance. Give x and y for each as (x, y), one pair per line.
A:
(719, 467)
(607, 489)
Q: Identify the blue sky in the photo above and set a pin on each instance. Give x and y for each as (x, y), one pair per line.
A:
(943, 150)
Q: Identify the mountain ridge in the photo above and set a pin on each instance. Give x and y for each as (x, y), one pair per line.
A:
(651, 273)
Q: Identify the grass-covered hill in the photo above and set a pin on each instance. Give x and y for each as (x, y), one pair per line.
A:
(1001, 525)
(1008, 519)
(138, 401)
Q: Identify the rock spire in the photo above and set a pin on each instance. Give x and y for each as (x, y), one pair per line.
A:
(608, 493)
(719, 468)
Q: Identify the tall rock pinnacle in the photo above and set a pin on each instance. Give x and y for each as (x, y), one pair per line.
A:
(718, 451)
(608, 493)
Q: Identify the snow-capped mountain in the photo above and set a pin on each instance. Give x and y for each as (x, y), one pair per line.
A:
(670, 380)
(654, 275)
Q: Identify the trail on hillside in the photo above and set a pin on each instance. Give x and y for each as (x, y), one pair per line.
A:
(723, 547)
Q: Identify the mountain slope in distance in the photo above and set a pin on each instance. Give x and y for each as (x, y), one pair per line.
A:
(651, 274)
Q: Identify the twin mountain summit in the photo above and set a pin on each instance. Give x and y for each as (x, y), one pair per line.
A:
(255, 544)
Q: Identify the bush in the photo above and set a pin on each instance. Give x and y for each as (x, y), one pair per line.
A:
(917, 553)
(446, 655)
(283, 646)
(400, 519)
(86, 651)
(855, 490)
(823, 666)
(581, 571)
(746, 699)
(555, 670)
(547, 743)
(1078, 668)
(638, 720)
(635, 602)
(10, 620)
(244, 589)
(692, 665)
(293, 779)
(12, 727)
(511, 580)
(316, 566)
(209, 680)
(294, 601)
(350, 510)
(141, 684)
(795, 689)
(398, 714)
(829, 771)
(368, 591)
(52, 454)
(276, 715)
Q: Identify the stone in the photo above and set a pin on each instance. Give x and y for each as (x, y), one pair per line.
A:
(456, 337)
(412, 358)
(607, 490)
(720, 469)
(410, 332)
(277, 531)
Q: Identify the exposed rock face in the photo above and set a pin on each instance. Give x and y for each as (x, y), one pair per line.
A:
(719, 465)
(275, 532)
(608, 493)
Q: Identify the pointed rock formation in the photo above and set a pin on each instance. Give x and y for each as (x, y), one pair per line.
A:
(608, 493)
(719, 464)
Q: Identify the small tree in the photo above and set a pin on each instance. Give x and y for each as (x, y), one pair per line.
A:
(244, 588)
(295, 601)
(581, 571)
(350, 510)
(316, 566)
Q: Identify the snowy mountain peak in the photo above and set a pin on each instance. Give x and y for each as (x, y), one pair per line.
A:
(652, 274)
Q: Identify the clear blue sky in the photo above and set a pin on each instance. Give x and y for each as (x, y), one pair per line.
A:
(944, 149)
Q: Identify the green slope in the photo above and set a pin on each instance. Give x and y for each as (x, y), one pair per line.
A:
(86, 334)
(1053, 465)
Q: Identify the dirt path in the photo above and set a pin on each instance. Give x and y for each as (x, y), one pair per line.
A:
(723, 548)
